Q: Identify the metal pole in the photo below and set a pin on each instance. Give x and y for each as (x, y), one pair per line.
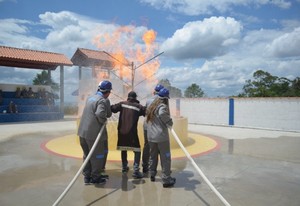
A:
(132, 76)
(62, 86)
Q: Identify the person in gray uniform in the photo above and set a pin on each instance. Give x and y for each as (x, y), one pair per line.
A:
(95, 114)
(146, 148)
(158, 120)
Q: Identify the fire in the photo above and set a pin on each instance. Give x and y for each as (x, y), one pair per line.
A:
(131, 49)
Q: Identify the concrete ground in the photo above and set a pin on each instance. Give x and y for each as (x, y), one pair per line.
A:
(250, 167)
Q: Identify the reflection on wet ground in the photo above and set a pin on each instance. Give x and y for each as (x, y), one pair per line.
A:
(260, 171)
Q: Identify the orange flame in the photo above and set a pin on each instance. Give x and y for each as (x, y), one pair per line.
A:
(128, 50)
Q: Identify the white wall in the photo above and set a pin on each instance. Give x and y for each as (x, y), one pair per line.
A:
(278, 113)
(269, 113)
(205, 111)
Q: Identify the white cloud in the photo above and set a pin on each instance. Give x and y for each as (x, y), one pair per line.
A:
(12, 26)
(203, 39)
(59, 20)
(198, 7)
(63, 32)
(281, 3)
(15, 32)
(226, 74)
(286, 45)
(68, 31)
(227, 55)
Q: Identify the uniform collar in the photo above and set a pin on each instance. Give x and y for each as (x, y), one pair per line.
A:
(99, 93)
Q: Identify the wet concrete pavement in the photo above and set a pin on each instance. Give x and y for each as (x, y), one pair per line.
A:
(251, 167)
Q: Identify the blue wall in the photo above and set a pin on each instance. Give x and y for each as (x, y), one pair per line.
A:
(29, 109)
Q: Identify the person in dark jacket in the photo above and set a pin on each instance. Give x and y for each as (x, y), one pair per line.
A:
(158, 120)
(95, 114)
(128, 140)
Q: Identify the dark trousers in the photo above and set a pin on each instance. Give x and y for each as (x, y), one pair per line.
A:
(146, 153)
(95, 164)
(136, 163)
(105, 142)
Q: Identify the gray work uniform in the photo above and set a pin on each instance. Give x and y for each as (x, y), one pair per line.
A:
(146, 148)
(95, 113)
(158, 137)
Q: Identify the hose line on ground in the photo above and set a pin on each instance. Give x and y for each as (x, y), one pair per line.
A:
(198, 169)
(81, 168)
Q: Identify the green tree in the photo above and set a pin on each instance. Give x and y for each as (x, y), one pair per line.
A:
(43, 79)
(260, 86)
(266, 85)
(281, 88)
(295, 88)
(193, 91)
(174, 92)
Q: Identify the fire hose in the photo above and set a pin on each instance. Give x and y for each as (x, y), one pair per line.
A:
(81, 168)
(198, 169)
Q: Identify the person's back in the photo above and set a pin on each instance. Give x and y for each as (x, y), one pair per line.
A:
(146, 149)
(12, 107)
(158, 128)
(94, 116)
(130, 111)
(18, 92)
(30, 93)
(24, 93)
(158, 121)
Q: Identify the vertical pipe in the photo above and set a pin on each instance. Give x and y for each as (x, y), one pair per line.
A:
(94, 74)
(177, 107)
(132, 76)
(80, 73)
(49, 75)
(231, 111)
(62, 99)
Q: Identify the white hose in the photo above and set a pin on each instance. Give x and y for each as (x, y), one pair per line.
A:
(81, 168)
(198, 169)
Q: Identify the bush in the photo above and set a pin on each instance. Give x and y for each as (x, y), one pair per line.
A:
(70, 110)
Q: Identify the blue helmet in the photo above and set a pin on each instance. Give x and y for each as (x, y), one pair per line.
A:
(158, 88)
(164, 93)
(105, 86)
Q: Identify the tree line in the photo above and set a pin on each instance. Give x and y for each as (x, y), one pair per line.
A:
(263, 84)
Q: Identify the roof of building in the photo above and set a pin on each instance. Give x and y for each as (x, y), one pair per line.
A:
(89, 58)
(33, 59)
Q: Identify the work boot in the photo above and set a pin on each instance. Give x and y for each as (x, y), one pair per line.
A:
(98, 180)
(169, 182)
(152, 178)
(137, 175)
(87, 180)
(145, 170)
(125, 169)
(104, 176)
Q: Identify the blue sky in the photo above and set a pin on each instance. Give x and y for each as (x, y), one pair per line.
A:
(217, 44)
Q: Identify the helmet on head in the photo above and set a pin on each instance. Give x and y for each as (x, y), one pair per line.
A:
(158, 87)
(105, 86)
(163, 93)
